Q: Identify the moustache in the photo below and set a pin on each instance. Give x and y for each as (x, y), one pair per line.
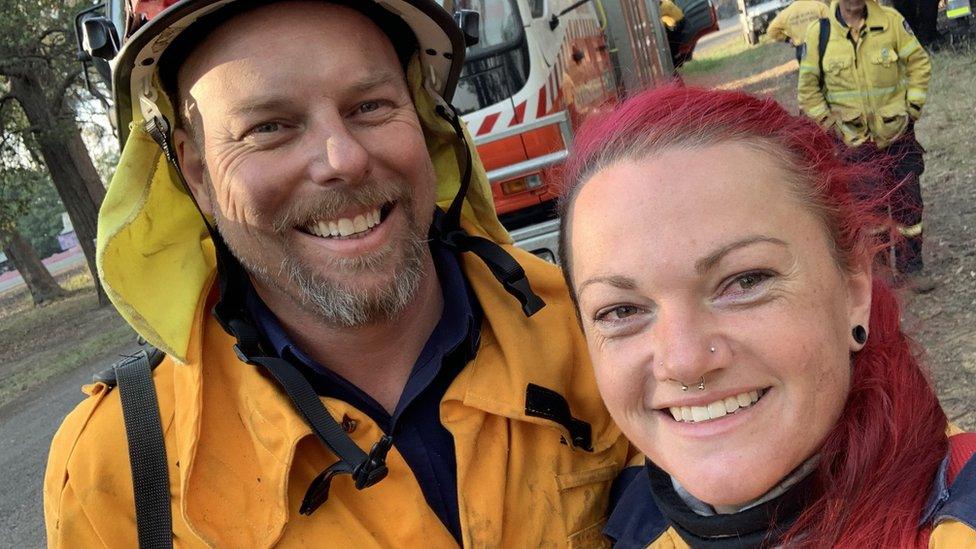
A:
(334, 200)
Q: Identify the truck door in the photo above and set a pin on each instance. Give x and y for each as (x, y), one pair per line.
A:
(700, 19)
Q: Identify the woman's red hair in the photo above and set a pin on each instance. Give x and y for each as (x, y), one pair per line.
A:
(878, 464)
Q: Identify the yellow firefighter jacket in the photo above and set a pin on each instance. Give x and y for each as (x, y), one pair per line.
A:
(671, 14)
(872, 84)
(791, 23)
(240, 458)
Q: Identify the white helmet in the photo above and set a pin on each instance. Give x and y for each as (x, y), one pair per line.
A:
(152, 26)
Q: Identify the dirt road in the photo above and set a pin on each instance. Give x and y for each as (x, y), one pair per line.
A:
(26, 428)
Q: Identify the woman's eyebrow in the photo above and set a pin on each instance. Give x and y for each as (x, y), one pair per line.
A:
(708, 262)
(617, 281)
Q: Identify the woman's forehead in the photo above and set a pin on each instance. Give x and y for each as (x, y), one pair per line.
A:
(682, 200)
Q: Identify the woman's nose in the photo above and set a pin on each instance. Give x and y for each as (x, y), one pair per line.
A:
(688, 347)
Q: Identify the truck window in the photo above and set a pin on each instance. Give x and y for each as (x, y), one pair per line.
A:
(498, 66)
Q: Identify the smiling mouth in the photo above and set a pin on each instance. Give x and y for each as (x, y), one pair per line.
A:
(717, 409)
(347, 228)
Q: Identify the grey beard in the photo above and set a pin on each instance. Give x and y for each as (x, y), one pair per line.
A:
(346, 308)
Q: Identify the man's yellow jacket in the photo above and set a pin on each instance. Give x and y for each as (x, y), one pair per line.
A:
(791, 23)
(240, 458)
(872, 86)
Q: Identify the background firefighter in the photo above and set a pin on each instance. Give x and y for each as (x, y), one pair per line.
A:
(868, 83)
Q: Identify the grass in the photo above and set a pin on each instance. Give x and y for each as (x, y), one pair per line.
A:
(39, 343)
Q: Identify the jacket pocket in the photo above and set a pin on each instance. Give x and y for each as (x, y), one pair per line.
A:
(851, 124)
(585, 496)
(892, 121)
(838, 74)
(884, 68)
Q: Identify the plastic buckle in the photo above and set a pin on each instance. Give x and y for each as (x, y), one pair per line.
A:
(373, 469)
(318, 490)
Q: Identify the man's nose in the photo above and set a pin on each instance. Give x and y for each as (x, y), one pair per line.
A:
(339, 157)
(688, 346)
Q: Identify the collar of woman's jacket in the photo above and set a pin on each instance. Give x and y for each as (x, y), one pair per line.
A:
(154, 254)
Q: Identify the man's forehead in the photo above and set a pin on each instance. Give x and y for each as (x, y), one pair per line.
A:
(252, 38)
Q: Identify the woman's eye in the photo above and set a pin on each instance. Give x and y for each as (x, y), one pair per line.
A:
(746, 283)
(619, 312)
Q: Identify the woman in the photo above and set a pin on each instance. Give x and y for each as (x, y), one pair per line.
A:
(722, 273)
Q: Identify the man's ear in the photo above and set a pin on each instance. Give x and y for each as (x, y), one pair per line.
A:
(859, 286)
(192, 166)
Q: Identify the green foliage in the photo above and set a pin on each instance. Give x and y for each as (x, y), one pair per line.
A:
(42, 222)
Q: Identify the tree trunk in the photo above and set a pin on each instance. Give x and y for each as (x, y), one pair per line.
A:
(39, 281)
(69, 164)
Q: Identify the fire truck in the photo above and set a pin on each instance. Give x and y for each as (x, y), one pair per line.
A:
(535, 71)
(541, 67)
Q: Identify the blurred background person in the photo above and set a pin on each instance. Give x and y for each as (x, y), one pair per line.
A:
(866, 82)
(790, 25)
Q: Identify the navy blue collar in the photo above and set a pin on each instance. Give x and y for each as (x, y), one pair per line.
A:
(457, 329)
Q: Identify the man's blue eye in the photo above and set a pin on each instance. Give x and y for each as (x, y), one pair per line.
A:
(267, 127)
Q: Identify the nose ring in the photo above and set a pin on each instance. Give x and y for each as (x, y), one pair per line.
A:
(701, 384)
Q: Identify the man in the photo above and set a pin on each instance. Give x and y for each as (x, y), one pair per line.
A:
(790, 25)
(867, 83)
(316, 138)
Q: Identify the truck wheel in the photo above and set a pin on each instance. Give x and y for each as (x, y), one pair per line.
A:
(753, 38)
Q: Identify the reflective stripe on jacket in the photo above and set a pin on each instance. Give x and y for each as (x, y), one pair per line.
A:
(873, 86)
(791, 23)
(240, 458)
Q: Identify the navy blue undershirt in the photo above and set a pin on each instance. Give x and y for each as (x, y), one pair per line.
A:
(419, 436)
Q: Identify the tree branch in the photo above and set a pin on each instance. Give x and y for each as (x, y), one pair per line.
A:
(70, 77)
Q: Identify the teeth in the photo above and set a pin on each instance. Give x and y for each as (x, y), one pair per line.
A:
(731, 404)
(346, 226)
(359, 224)
(717, 409)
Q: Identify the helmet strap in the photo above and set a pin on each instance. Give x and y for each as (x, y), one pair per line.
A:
(448, 228)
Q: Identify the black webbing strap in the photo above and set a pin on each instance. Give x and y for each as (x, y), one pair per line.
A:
(147, 451)
(447, 229)
(822, 47)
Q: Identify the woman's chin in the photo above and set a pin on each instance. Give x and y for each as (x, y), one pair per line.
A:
(725, 490)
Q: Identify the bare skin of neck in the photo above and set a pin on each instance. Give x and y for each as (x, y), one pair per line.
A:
(853, 12)
(377, 358)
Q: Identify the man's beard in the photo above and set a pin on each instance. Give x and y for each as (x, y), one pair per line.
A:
(335, 303)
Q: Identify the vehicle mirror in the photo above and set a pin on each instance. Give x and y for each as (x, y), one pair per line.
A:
(470, 23)
(96, 35)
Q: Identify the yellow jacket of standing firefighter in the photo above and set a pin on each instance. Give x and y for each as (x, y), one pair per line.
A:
(671, 14)
(873, 85)
(536, 449)
(791, 23)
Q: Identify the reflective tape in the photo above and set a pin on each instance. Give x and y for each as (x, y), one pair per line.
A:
(873, 92)
(916, 95)
(909, 49)
(912, 231)
(959, 12)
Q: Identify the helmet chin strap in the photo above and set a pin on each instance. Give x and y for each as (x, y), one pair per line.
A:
(447, 228)
(230, 311)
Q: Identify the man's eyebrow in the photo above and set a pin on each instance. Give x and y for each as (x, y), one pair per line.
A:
(617, 281)
(708, 262)
(272, 102)
(375, 80)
